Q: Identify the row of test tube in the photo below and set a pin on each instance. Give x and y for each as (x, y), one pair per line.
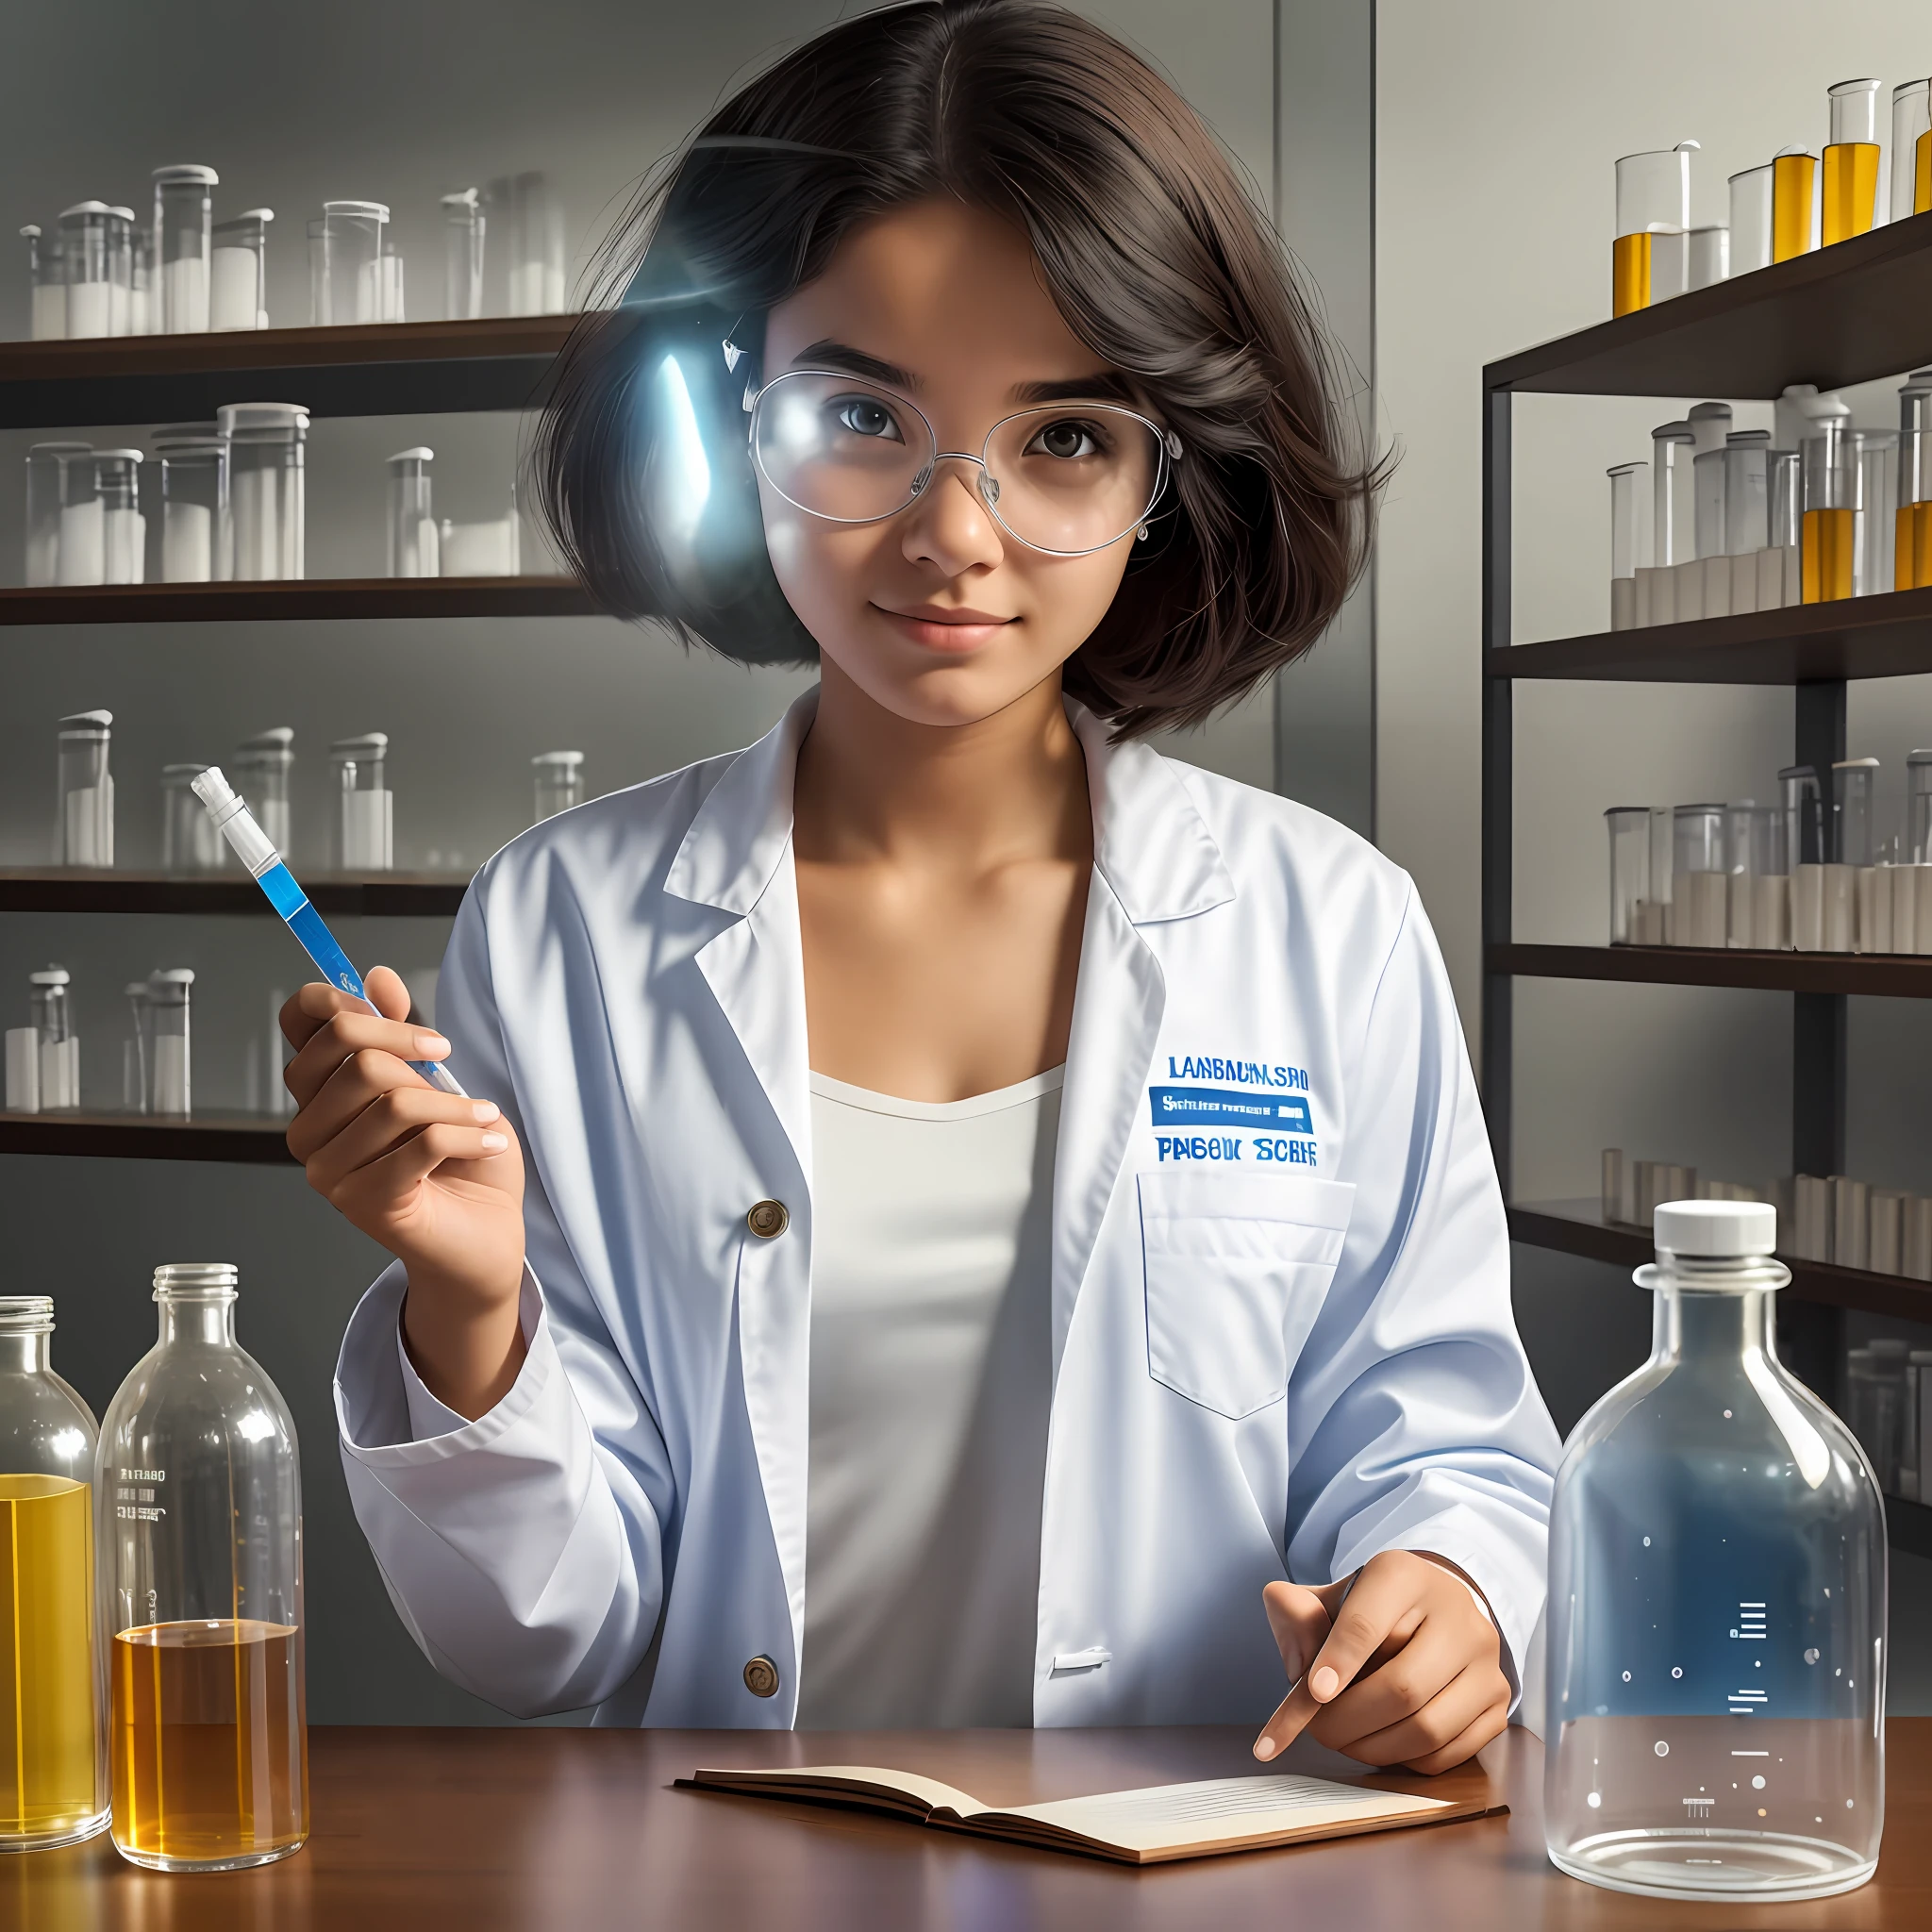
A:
(262, 770)
(43, 1057)
(102, 273)
(1735, 523)
(1809, 874)
(1795, 202)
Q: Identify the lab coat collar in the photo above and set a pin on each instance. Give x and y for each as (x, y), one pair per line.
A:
(1150, 841)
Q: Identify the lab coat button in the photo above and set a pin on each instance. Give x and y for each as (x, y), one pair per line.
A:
(761, 1674)
(768, 1219)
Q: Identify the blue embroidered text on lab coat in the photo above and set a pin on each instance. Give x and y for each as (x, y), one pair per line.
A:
(1217, 1106)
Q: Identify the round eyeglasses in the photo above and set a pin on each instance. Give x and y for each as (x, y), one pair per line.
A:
(1066, 478)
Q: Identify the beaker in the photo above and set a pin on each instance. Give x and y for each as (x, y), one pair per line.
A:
(238, 276)
(1854, 801)
(1652, 202)
(1913, 519)
(1801, 805)
(365, 812)
(1673, 525)
(412, 534)
(559, 782)
(56, 1047)
(1631, 534)
(1708, 256)
(53, 1757)
(266, 497)
(1630, 828)
(1716, 1635)
(1875, 535)
(1793, 203)
(1708, 502)
(1746, 507)
(124, 529)
(189, 842)
(464, 224)
(1919, 806)
(134, 1049)
(144, 306)
(1829, 538)
(526, 225)
(120, 271)
(200, 1591)
(1850, 182)
(48, 478)
(263, 766)
(84, 251)
(1751, 219)
(1909, 122)
(46, 277)
(183, 213)
(170, 1084)
(350, 276)
(84, 806)
(194, 501)
(1699, 890)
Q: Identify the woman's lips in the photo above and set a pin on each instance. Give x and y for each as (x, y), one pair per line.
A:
(954, 638)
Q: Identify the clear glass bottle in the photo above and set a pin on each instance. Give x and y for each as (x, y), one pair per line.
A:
(53, 1767)
(558, 782)
(201, 1592)
(1717, 1644)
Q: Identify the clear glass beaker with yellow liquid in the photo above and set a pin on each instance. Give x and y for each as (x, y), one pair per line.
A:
(1649, 257)
(53, 1770)
(1828, 543)
(1793, 203)
(1850, 191)
(1912, 543)
(1911, 123)
(200, 1591)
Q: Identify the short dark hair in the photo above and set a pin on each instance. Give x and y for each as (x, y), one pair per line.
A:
(1158, 258)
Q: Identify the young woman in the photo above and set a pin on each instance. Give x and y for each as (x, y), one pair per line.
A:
(966, 1220)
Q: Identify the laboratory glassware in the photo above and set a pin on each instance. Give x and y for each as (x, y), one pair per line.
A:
(1909, 124)
(194, 502)
(120, 271)
(84, 251)
(1716, 1637)
(124, 529)
(59, 1045)
(1875, 452)
(52, 1760)
(278, 887)
(1913, 519)
(1829, 536)
(134, 1049)
(46, 278)
(237, 274)
(47, 483)
(1708, 502)
(84, 814)
(1801, 803)
(1652, 219)
(1793, 203)
(81, 551)
(559, 782)
(263, 765)
(1919, 806)
(352, 276)
(1708, 256)
(527, 228)
(1673, 503)
(1710, 422)
(142, 302)
(1630, 535)
(1630, 828)
(1849, 198)
(170, 1081)
(201, 1590)
(1751, 219)
(465, 223)
(267, 444)
(1854, 802)
(1748, 835)
(183, 224)
(412, 535)
(365, 814)
(188, 842)
(1746, 512)
(1699, 886)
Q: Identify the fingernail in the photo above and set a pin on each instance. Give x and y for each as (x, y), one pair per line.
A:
(1264, 1748)
(496, 1142)
(432, 1046)
(486, 1110)
(1324, 1683)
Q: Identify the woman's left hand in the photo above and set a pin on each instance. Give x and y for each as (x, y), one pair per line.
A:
(1399, 1667)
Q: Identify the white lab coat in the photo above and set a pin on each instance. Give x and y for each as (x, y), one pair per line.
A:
(1282, 1338)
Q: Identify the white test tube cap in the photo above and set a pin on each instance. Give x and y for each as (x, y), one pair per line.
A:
(1715, 1230)
(187, 172)
(49, 975)
(564, 760)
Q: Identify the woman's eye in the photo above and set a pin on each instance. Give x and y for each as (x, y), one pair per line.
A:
(864, 416)
(1066, 439)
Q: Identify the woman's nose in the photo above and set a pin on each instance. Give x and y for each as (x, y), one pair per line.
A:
(949, 525)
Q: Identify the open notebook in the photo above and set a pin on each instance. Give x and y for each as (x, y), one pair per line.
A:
(1190, 1821)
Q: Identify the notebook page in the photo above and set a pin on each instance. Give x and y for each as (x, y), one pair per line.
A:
(856, 1779)
(1226, 1809)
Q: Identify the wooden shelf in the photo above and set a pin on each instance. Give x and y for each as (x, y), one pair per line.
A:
(1880, 975)
(387, 369)
(234, 1137)
(1835, 316)
(326, 598)
(1886, 636)
(1578, 1227)
(372, 896)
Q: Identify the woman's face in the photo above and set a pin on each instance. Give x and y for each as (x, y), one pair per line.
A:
(937, 613)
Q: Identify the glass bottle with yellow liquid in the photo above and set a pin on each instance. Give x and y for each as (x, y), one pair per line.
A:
(1912, 548)
(1828, 544)
(201, 1592)
(53, 1772)
(1850, 186)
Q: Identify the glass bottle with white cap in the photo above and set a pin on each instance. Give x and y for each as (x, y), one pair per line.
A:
(262, 767)
(85, 252)
(200, 1566)
(1715, 1725)
(48, 281)
(238, 273)
(53, 471)
(194, 501)
(465, 225)
(58, 1045)
(84, 807)
(124, 529)
(559, 782)
(183, 222)
(412, 534)
(365, 811)
(353, 274)
(267, 498)
(170, 1084)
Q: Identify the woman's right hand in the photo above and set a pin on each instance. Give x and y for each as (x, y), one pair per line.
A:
(436, 1178)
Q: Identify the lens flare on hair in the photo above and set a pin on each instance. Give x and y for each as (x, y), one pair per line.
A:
(685, 485)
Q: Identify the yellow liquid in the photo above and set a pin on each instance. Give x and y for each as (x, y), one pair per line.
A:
(1630, 274)
(1826, 555)
(50, 1786)
(1922, 175)
(1793, 179)
(210, 1749)
(1911, 568)
(1851, 190)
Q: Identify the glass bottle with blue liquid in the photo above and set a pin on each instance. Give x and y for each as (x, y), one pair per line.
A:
(1716, 1633)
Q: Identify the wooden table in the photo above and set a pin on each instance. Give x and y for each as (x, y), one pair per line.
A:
(578, 1830)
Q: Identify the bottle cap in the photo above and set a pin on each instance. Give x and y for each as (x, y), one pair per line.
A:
(1716, 1230)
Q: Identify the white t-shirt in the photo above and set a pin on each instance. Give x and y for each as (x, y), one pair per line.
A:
(931, 1381)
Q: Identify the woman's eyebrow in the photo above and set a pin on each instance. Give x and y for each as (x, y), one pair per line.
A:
(1105, 385)
(828, 354)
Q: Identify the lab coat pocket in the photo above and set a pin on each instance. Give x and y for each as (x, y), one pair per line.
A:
(1238, 1266)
